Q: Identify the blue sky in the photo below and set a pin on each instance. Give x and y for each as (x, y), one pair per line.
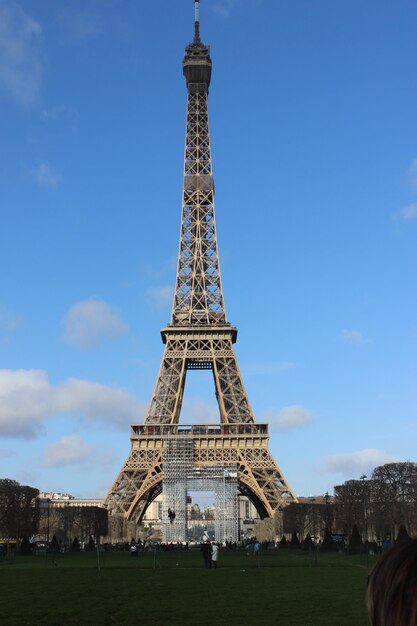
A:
(313, 127)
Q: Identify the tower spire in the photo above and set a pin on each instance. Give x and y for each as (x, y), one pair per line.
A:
(196, 23)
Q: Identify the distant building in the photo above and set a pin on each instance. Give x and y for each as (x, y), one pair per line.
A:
(50, 495)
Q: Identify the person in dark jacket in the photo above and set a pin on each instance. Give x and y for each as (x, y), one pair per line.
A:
(206, 552)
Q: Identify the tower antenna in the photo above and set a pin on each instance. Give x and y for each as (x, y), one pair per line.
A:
(196, 23)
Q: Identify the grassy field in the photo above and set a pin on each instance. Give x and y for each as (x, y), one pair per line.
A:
(279, 587)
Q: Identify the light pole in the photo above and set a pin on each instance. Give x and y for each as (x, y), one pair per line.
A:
(47, 532)
(225, 474)
(365, 512)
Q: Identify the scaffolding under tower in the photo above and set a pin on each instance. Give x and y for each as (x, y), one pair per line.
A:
(181, 476)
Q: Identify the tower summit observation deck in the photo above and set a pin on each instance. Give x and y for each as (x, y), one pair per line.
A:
(198, 337)
(197, 63)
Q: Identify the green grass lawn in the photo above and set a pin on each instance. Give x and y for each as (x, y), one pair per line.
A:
(279, 587)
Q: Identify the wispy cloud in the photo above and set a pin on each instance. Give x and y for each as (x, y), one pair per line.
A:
(27, 476)
(27, 398)
(45, 176)
(353, 464)
(412, 175)
(224, 7)
(407, 213)
(155, 272)
(265, 369)
(90, 321)
(197, 411)
(8, 321)
(287, 418)
(81, 24)
(354, 337)
(69, 450)
(54, 113)
(4, 454)
(20, 54)
(60, 112)
(160, 297)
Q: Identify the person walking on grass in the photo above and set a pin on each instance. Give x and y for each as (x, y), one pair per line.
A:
(206, 552)
(214, 554)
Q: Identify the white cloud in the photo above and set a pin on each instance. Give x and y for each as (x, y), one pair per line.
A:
(352, 336)
(69, 450)
(407, 213)
(27, 398)
(160, 297)
(20, 60)
(353, 464)
(288, 417)
(94, 401)
(412, 175)
(89, 321)
(45, 176)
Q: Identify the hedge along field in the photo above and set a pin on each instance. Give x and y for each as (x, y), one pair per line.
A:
(279, 587)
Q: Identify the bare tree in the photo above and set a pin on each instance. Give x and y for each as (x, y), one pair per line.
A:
(296, 518)
(9, 497)
(394, 495)
(62, 521)
(19, 510)
(28, 511)
(67, 522)
(351, 506)
(312, 516)
(92, 521)
(328, 511)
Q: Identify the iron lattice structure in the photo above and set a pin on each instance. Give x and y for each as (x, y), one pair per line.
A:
(199, 337)
(181, 476)
(177, 460)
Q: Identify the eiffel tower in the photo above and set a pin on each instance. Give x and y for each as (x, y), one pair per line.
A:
(199, 337)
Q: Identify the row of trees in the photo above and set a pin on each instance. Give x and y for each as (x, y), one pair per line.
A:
(24, 514)
(68, 522)
(377, 506)
(381, 504)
